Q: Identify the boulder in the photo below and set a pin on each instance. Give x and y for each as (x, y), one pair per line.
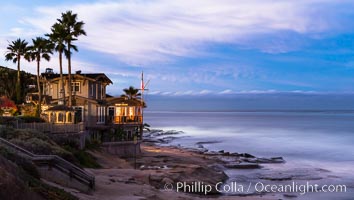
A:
(247, 155)
(243, 165)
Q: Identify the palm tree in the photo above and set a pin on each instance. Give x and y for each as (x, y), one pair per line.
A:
(73, 29)
(57, 36)
(41, 48)
(131, 93)
(16, 50)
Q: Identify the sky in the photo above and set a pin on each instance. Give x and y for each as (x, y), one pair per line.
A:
(200, 47)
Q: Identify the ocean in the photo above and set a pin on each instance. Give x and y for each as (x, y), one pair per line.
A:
(308, 133)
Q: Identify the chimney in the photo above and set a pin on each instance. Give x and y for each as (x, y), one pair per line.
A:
(49, 71)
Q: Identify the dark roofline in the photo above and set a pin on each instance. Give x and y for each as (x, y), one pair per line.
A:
(60, 108)
(129, 102)
(93, 76)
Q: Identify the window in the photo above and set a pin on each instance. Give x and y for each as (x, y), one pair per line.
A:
(75, 86)
(79, 114)
(101, 114)
(99, 90)
(28, 99)
(52, 117)
(51, 90)
(131, 111)
(111, 113)
(60, 117)
(69, 118)
(91, 90)
(102, 95)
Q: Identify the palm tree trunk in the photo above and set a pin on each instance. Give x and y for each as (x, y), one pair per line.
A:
(69, 75)
(61, 76)
(18, 84)
(39, 108)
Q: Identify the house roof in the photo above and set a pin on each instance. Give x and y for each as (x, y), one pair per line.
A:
(46, 99)
(60, 108)
(108, 96)
(91, 76)
(123, 100)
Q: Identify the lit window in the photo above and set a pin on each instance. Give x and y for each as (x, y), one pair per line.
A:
(118, 111)
(131, 111)
(69, 117)
(75, 86)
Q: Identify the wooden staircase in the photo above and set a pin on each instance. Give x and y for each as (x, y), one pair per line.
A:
(53, 161)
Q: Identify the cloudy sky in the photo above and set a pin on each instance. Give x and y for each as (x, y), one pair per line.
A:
(190, 47)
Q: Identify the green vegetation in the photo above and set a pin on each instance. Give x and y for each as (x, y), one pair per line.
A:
(15, 51)
(131, 93)
(27, 174)
(7, 121)
(9, 76)
(93, 144)
(39, 143)
(35, 142)
(73, 29)
(57, 36)
(30, 119)
(115, 135)
(25, 164)
(64, 32)
(7, 106)
(11, 121)
(85, 159)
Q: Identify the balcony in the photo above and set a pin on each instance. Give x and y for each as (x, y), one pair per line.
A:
(127, 119)
(94, 121)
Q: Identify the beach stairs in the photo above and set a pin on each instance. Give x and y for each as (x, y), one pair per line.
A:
(55, 169)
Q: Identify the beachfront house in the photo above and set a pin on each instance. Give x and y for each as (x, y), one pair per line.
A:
(88, 94)
(102, 115)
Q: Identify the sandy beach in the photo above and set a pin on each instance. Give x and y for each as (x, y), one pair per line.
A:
(117, 179)
(165, 171)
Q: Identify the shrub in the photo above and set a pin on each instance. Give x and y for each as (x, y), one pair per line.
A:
(66, 141)
(30, 119)
(85, 159)
(49, 192)
(39, 143)
(92, 144)
(36, 142)
(7, 121)
(22, 162)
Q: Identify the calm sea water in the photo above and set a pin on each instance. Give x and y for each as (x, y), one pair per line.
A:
(319, 138)
(325, 137)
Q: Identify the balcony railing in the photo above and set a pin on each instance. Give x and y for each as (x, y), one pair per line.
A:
(127, 119)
